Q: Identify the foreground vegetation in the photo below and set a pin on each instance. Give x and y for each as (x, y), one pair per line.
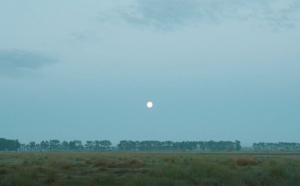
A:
(120, 168)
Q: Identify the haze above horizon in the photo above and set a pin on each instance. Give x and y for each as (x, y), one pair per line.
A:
(215, 70)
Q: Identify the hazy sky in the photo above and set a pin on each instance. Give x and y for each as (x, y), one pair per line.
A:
(214, 69)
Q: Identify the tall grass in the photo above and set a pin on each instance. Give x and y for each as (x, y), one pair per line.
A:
(146, 169)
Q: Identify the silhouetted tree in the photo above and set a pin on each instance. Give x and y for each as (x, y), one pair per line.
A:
(32, 145)
(65, 145)
(237, 145)
(9, 145)
(54, 144)
(89, 145)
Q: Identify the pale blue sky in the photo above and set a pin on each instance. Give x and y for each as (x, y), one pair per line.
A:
(214, 69)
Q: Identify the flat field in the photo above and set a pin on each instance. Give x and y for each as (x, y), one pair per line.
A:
(133, 168)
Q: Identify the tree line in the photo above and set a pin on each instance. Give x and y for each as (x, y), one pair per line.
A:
(146, 145)
(281, 146)
(124, 145)
(127, 145)
(75, 145)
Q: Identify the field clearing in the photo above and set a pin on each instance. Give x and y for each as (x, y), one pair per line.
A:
(150, 168)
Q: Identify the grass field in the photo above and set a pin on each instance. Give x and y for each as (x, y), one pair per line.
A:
(118, 168)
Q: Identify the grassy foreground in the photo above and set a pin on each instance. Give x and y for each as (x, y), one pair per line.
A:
(117, 168)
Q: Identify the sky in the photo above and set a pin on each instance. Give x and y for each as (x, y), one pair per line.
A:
(214, 70)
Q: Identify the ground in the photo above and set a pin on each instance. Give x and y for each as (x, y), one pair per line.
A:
(163, 168)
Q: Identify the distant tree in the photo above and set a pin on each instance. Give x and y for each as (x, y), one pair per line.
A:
(96, 145)
(89, 145)
(201, 145)
(211, 145)
(54, 144)
(167, 145)
(105, 144)
(124, 145)
(37, 147)
(76, 145)
(72, 145)
(79, 145)
(9, 145)
(22, 147)
(65, 145)
(47, 144)
(44, 145)
(32, 145)
(281, 146)
(237, 145)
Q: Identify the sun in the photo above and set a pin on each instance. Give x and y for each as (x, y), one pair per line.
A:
(149, 104)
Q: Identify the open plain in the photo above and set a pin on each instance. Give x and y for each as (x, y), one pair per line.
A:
(161, 168)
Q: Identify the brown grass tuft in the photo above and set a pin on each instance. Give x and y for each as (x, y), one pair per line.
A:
(100, 163)
(88, 162)
(136, 162)
(66, 166)
(246, 161)
(111, 164)
(14, 167)
(105, 163)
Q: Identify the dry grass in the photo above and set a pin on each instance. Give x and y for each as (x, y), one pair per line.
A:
(66, 166)
(147, 169)
(246, 161)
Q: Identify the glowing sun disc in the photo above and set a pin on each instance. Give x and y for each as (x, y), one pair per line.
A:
(149, 104)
